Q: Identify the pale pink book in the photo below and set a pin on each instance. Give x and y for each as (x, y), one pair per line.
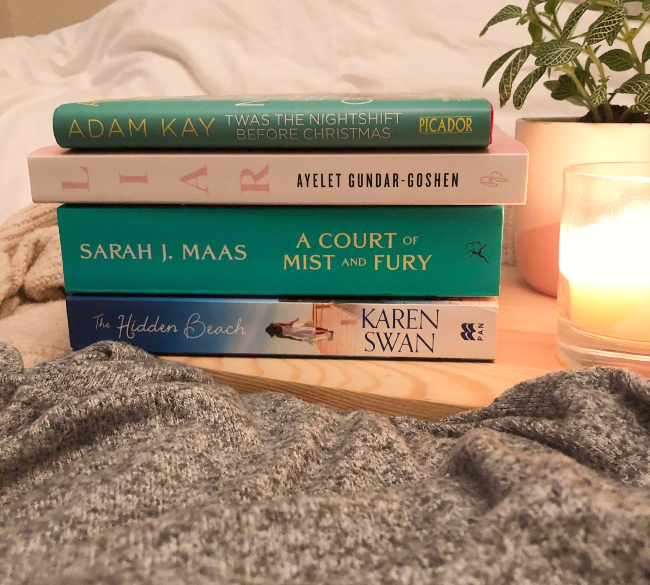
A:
(495, 175)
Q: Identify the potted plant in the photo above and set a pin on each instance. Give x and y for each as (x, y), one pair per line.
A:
(577, 58)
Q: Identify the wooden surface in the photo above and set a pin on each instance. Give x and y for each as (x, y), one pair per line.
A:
(428, 390)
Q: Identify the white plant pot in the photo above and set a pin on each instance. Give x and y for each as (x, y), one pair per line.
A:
(555, 143)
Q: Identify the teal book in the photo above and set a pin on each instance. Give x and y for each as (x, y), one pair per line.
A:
(280, 122)
(450, 251)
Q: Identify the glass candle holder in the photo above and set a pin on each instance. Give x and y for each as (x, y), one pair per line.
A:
(604, 289)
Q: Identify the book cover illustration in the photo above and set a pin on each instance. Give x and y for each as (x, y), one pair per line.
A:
(276, 251)
(493, 176)
(278, 122)
(442, 329)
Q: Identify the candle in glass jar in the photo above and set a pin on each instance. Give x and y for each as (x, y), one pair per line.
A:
(606, 268)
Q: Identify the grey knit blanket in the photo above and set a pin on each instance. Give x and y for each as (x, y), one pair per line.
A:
(117, 467)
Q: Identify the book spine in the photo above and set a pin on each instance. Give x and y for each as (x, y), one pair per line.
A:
(274, 124)
(279, 251)
(376, 178)
(269, 327)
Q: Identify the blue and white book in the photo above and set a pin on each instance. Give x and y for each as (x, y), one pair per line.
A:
(414, 329)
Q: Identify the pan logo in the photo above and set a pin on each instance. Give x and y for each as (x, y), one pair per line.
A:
(472, 331)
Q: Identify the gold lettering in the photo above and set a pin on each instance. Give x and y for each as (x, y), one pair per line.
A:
(320, 240)
(346, 241)
(98, 251)
(225, 251)
(74, 129)
(207, 128)
(189, 128)
(133, 127)
(388, 263)
(448, 124)
(295, 261)
(408, 261)
(303, 240)
(168, 127)
(90, 128)
(191, 252)
(114, 125)
(208, 250)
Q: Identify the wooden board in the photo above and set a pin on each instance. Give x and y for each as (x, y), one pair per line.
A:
(428, 390)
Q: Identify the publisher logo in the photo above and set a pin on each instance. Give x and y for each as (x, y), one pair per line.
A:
(472, 331)
(476, 249)
(445, 125)
(493, 179)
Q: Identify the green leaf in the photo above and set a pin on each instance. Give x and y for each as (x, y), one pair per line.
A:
(536, 32)
(551, 6)
(551, 84)
(618, 60)
(533, 3)
(606, 26)
(599, 96)
(646, 5)
(510, 73)
(522, 91)
(639, 84)
(641, 106)
(577, 100)
(613, 35)
(556, 53)
(506, 13)
(573, 18)
(646, 51)
(496, 65)
(564, 89)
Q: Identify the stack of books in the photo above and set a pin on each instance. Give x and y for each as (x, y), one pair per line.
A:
(346, 226)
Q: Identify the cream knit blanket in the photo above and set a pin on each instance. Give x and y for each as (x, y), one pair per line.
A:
(30, 258)
(31, 273)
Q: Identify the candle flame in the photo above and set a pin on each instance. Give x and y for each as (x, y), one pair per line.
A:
(615, 251)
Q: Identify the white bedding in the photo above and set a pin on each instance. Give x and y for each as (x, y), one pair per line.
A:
(174, 47)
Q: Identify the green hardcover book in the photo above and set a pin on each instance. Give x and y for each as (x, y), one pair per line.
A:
(281, 122)
(283, 251)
